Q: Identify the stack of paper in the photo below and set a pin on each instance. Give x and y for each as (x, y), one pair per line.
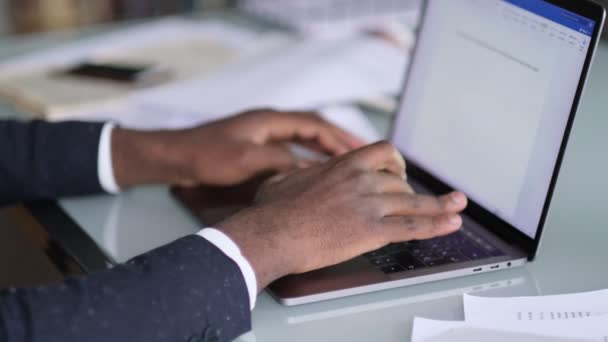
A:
(307, 74)
(571, 317)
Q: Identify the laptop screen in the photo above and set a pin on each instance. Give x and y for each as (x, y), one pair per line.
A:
(488, 100)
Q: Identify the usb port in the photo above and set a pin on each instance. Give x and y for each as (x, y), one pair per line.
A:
(477, 269)
(494, 267)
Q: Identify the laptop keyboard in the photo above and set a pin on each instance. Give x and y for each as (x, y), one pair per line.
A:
(461, 246)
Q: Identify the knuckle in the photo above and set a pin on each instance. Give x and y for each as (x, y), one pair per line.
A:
(360, 185)
(382, 151)
(423, 229)
(381, 186)
(441, 203)
(241, 155)
(435, 224)
(245, 156)
(407, 224)
(412, 202)
(406, 228)
(314, 117)
(410, 224)
(376, 206)
(408, 189)
(384, 146)
(357, 159)
(389, 183)
(265, 110)
(389, 149)
(364, 179)
(349, 163)
(247, 160)
(264, 114)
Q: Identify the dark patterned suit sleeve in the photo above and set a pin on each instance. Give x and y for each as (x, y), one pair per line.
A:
(41, 160)
(186, 291)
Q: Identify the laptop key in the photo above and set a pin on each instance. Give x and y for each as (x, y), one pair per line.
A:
(446, 252)
(437, 262)
(393, 269)
(374, 254)
(407, 261)
(473, 253)
(389, 260)
(431, 258)
(416, 251)
(377, 262)
(394, 248)
(455, 258)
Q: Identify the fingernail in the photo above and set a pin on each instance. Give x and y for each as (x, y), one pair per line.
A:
(457, 198)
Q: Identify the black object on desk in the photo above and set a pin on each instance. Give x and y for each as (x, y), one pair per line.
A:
(40, 244)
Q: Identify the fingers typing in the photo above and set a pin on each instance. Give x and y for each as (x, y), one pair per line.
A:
(412, 204)
(378, 157)
(406, 228)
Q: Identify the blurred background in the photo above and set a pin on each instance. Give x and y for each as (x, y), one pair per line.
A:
(25, 16)
(360, 43)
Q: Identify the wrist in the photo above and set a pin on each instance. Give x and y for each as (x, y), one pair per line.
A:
(141, 158)
(262, 250)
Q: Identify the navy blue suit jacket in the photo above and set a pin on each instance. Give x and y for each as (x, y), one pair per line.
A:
(185, 291)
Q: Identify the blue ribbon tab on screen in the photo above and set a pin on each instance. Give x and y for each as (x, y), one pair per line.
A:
(557, 14)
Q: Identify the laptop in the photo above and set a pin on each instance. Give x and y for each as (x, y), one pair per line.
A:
(487, 109)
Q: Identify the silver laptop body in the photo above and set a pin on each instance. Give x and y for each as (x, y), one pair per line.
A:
(487, 108)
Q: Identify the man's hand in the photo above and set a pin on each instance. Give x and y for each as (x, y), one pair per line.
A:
(225, 152)
(330, 213)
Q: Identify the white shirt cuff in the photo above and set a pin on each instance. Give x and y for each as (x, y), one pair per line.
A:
(226, 245)
(105, 169)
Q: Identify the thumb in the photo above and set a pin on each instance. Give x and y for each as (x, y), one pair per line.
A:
(271, 157)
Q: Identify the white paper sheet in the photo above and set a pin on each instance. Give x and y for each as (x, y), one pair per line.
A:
(307, 74)
(426, 330)
(352, 120)
(579, 315)
(472, 334)
(543, 308)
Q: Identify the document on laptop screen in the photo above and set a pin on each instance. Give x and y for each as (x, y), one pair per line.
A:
(488, 100)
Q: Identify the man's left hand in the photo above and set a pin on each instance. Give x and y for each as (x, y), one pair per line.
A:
(225, 152)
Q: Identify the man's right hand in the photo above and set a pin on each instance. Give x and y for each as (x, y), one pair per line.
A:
(330, 213)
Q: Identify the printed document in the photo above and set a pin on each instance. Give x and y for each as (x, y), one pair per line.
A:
(568, 317)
